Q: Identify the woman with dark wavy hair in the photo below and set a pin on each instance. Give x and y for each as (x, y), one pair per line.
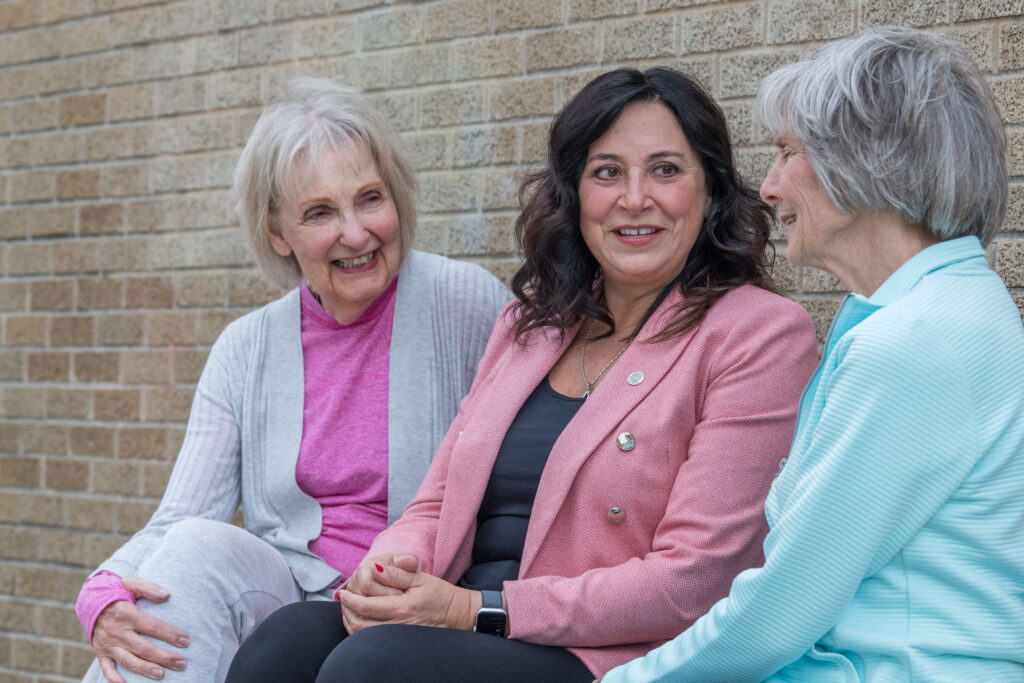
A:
(604, 479)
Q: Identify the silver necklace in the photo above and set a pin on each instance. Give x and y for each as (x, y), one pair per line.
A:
(583, 357)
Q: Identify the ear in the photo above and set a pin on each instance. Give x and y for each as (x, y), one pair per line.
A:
(277, 239)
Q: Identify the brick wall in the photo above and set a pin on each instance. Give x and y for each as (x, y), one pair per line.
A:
(120, 123)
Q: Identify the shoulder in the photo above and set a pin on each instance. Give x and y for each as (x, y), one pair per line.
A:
(753, 312)
(462, 288)
(250, 328)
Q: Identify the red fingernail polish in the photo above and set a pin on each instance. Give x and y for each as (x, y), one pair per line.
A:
(379, 568)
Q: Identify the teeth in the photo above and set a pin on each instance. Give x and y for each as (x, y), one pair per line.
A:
(355, 262)
(632, 232)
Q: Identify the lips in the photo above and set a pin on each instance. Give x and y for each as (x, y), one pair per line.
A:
(636, 232)
(348, 263)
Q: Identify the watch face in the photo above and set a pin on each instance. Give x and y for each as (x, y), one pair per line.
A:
(491, 621)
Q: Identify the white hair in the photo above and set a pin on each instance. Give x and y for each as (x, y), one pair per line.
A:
(897, 119)
(317, 115)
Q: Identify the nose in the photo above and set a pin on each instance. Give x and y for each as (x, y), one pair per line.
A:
(770, 186)
(634, 194)
(351, 231)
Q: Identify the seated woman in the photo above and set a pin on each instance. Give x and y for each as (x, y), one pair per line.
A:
(896, 550)
(319, 412)
(605, 477)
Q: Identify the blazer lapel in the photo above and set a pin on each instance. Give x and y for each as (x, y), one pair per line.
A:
(494, 408)
(598, 421)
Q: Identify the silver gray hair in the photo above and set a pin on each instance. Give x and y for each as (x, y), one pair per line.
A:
(897, 119)
(316, 115)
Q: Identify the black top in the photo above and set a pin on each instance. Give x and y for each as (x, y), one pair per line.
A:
(505, 510)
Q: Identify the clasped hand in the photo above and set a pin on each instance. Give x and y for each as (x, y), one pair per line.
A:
(390, 589)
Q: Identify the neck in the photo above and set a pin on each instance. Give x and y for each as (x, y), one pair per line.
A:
(627, 307)
(874, 248)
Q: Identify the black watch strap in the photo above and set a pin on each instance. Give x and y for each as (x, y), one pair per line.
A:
(491, 599)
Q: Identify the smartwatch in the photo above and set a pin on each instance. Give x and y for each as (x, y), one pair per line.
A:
(491, 617)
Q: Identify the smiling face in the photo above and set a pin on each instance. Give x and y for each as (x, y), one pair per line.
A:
(810, 219)
(642, 200)
(342, 227)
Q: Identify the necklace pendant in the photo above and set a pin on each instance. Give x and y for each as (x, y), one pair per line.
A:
(586, 393)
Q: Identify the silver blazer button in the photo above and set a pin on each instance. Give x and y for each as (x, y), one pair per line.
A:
(635, 378)
(616, 515)
(626, 441)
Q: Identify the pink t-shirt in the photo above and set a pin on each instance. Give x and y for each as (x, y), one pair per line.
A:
(343, 456)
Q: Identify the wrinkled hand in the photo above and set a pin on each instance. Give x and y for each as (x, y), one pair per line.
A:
(366, 579)
(117, 641)
(420, 599)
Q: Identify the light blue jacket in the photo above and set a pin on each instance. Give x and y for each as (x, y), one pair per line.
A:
(896, 550)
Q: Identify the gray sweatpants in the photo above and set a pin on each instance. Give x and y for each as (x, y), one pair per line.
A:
(223, 582)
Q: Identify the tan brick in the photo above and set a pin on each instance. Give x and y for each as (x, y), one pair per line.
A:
(742, 73)
(30, 655)
(32, 186)
(59, 621)
(92, 441)
(429, 150)
(58, 148)
(250, 289)
(400, 26)
(154, 478)
(49, 366)
(90, 366)
(133, 102)
(560, 48)
(41, 510)
(581, 10)
(126, 180)
(334, 36)
(173, 328)
(78, 184)
(116, 477)
(209, 131)
(267, 45)
(135, 26)
(211, 324)
(457, 19)
(106, 69)
(74, 404)
(486, 234)
(17, 616)
(56, 77)
(15, 152)
(149, 215)
(90, 514)
(822, 311)
(116, 329)
(148, 292)
(200, 290)
(513, 15)
(98, 219)
(523, 97)
(188, 18)
(20, 472)
(35, 115)
(1015, 152)
(100, 293)
(235, 88)
(62, 474)
(9, 437)
(28, 259)
(46, 221)
(8, 583)
(426, 64)
(71, 330)
(14, 223)
(501, 189)
(535, 142)
(486, 57)
(1009, 262)
(25, 330)
(168, 404)
(61, 10)
(971, 10)
(450, 191)
(104, 144)
(142, 443)
(117, 405)
(75, 258)
(64, 547)
(9, 513)
(639, 39)
(1011, 47)
(795, 21)
(13, 296)
(484, 146)
(399, 108)
(24, 402)
(52, 295)
(1015, 209)
(12, 366)
(188, 364)
(901, 13)
(83, 37)
(46, 439)
(147, 367)
(81, 110)
(98, 548)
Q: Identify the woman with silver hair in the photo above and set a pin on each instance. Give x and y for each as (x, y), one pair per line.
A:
(896, 550)
(319, 412)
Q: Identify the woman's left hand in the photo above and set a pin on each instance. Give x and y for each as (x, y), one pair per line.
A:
(425, 600)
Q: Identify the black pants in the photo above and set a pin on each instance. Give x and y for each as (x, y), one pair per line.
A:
(307, 641)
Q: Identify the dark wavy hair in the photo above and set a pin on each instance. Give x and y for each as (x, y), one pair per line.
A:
(555, 285)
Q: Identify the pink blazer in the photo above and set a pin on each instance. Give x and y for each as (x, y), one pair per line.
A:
(625, 549)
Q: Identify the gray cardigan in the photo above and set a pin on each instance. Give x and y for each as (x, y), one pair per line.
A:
(244, 431)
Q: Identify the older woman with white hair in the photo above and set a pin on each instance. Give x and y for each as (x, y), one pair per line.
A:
(896, 550)
(319, 412)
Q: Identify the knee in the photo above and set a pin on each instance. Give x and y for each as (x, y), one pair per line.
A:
(290, 644)
(202, 537)
(367, 655)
